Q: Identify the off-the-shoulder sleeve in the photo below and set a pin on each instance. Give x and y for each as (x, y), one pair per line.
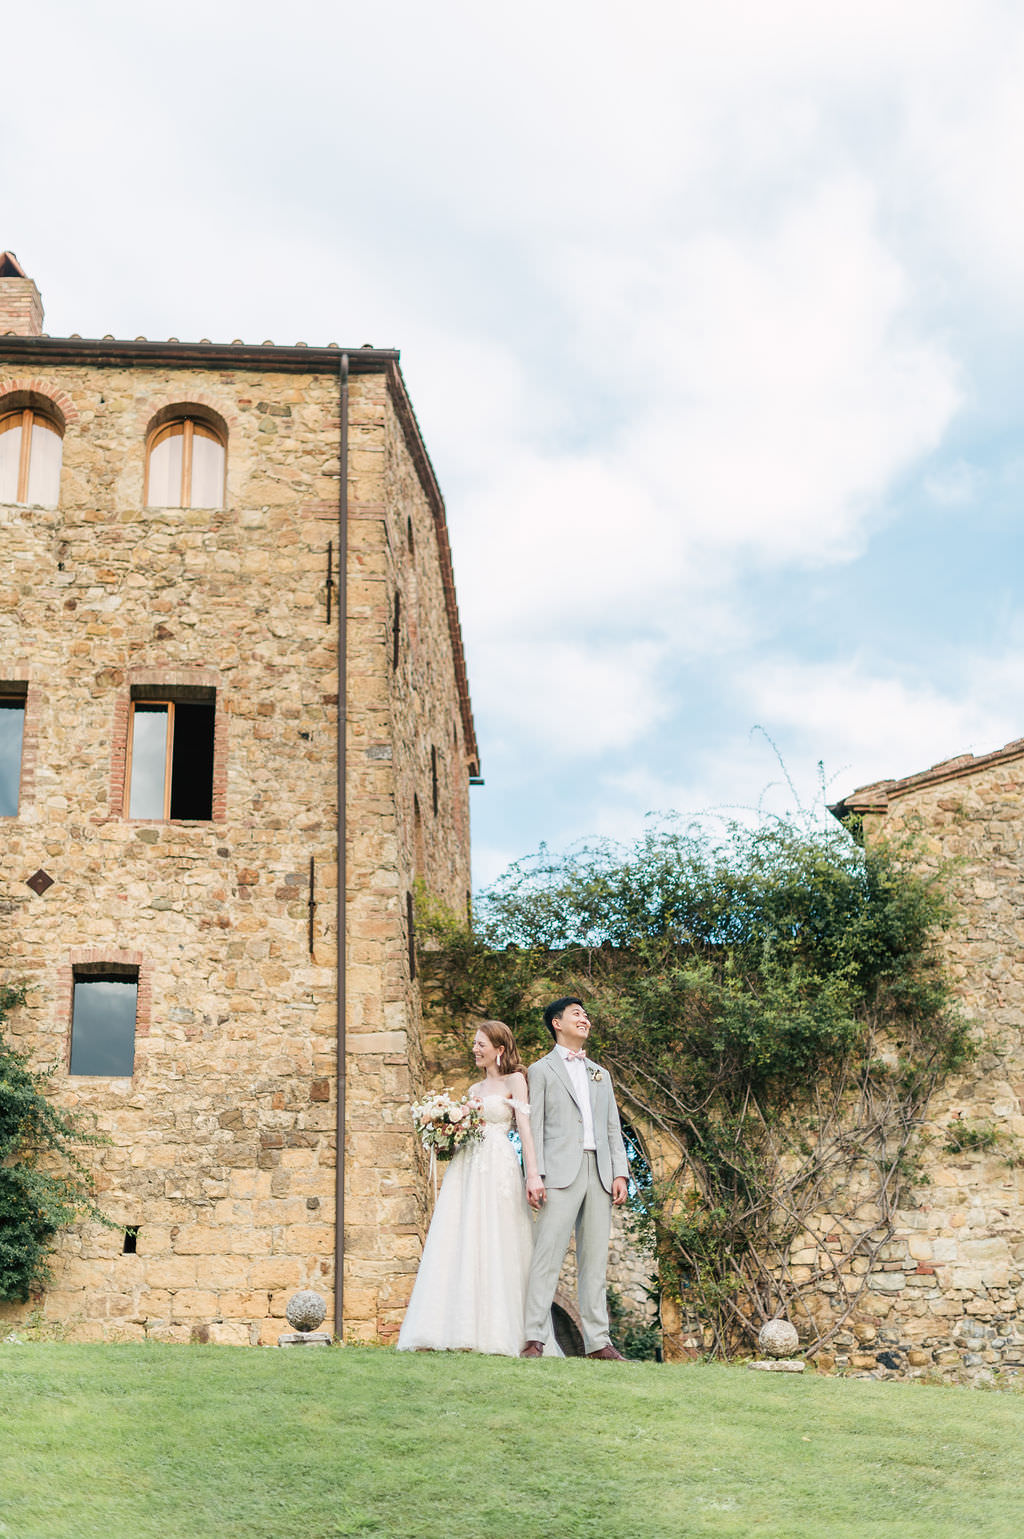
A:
(522, 1108)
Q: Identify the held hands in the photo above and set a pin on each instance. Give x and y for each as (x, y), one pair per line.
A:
(620, 1190)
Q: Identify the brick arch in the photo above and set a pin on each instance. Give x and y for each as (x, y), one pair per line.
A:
(100, 956)
(152, 411)
(23, 385)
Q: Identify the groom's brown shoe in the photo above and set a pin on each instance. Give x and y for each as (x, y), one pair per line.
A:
(608, 1354)
(533, 1349)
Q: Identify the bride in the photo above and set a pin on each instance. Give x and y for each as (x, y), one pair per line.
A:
(471, 1284)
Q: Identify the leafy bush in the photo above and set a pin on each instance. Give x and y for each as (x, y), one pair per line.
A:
(44, 1186)
(776, 1013)
(965, 1138)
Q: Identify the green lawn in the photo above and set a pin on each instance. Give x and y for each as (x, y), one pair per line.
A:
(128, 1442)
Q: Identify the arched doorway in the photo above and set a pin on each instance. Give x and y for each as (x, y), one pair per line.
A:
(567, 1329)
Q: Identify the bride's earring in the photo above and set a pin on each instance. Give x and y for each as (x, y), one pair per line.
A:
(497, 1062)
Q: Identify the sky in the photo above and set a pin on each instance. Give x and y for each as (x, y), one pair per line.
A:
(710, 315)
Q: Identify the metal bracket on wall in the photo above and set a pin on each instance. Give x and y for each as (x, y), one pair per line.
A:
(312, 900)
(330, 584)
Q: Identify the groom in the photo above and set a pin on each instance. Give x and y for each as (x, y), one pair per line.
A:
(582, 1170)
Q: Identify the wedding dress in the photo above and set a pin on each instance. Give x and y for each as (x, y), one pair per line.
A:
(471, 1284)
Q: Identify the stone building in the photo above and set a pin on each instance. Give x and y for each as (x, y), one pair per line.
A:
(947, 1292)
(944, 1294)
(203, 548)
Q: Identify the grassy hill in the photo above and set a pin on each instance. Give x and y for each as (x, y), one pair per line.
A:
(154, 1442)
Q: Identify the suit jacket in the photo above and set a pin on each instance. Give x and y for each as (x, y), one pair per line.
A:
(557, 1123)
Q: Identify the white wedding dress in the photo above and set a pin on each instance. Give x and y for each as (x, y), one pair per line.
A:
(471, 1285)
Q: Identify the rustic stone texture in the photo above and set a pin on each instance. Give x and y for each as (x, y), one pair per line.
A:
(778, 1338)
(948, 1296)
(222, 1144)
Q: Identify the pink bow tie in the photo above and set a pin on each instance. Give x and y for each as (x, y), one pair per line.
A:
(571, 1057)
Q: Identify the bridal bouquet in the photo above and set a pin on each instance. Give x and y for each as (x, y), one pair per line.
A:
(444, 1124)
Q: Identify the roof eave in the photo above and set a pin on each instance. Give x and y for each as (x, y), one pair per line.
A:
(109, 352)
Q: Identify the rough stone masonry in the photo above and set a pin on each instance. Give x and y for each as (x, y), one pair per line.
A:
(947, 1292)
(219, 1161)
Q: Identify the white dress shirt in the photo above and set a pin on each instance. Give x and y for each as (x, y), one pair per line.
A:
(577, 1071)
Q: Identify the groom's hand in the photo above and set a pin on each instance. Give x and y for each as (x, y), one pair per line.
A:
(535, 1193)
(620, 1190)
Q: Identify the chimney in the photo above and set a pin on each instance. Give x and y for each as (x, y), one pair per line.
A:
(21, 308)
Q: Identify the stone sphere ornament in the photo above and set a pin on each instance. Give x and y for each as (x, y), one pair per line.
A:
(776, 1338)
(306, 1310)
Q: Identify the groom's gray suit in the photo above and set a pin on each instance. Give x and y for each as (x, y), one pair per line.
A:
(578, 1185)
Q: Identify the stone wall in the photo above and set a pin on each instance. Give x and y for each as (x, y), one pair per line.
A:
(221, 1146)
(948, 1292)
(945, 1295)
(407, 705)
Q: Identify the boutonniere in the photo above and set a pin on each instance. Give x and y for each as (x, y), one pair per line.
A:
(594, 1072)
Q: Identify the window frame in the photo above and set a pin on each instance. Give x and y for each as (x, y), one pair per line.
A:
(29, 416)
(104, 972)
(188, 422)
(17, 697)
(170, 703)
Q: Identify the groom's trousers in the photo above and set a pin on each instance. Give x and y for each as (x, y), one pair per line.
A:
(586, 1207)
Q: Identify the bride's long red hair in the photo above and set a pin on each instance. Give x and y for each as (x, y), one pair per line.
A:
(499, 1036)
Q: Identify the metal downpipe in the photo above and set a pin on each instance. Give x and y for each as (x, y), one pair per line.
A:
(341, 936)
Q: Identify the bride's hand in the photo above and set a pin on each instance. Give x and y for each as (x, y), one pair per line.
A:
(535, 1193)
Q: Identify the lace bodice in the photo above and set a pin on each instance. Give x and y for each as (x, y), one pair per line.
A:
(499, 1110)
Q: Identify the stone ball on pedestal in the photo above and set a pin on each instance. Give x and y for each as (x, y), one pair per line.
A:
(305, 1310)
(777, 1338)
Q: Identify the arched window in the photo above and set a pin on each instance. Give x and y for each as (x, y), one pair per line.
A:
(31, 445)
(185, 464)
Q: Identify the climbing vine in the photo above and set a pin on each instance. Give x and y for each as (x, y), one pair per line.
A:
(776, 1013)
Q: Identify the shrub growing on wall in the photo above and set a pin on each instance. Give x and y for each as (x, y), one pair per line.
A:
(776, 1012)
(44, 1186)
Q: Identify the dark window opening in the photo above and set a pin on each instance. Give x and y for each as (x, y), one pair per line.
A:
(408, 535)
(396, 633)
(419, 845)
(12, 736)
(131, 1240)
(410, 925)
(103, 1023)
(434, 781)
(171, 761)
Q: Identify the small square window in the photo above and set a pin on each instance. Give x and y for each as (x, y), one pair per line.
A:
(12, 734)
(103, 1023)
(171, 759)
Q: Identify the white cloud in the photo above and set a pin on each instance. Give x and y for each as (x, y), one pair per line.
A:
(575, 701)
(683, 292)
(878, 726)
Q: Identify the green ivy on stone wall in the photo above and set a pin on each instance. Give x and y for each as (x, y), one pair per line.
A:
(776, 1013)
